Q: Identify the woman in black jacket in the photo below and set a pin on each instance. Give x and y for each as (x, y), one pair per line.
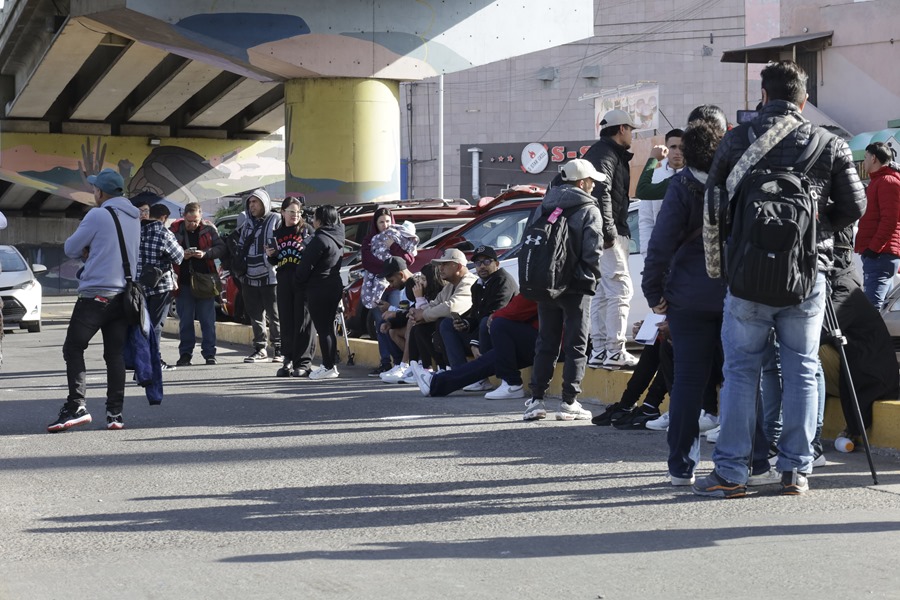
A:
(319, 280)
(296, 326)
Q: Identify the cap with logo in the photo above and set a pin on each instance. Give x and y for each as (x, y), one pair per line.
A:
(484, 252)
(579, 168)
(618, 117)
(393, 265)
(108, 181)
(454, 255)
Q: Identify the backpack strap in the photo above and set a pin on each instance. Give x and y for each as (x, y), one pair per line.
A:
(126, 266)
(758, 149)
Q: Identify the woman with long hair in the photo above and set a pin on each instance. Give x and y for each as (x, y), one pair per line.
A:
(296, 326)
(318, 278)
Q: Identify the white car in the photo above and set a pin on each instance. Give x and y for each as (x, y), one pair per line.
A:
(20, 291)
(638, 309)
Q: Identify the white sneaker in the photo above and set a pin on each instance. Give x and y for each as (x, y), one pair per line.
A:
(422, 378)
(768, 478)
(681, 481)
(534, 410)
(707, 421)
(596, 359)
(660, 424)
(479, 386)
(572, 412)
(323, 373)
(819, 461)
(620, 360)
(712, 436)
(395, 374)
(506, 391)
(409, 377)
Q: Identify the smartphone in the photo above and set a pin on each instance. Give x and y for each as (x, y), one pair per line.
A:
(270, 242)
(455, 316)
(191, 249)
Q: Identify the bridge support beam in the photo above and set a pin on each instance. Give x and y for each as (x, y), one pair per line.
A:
(343, 139)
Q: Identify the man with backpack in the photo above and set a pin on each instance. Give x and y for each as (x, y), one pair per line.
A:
(559, 268)
(778, 189)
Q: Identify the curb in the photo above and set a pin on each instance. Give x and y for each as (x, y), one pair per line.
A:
(598, 387)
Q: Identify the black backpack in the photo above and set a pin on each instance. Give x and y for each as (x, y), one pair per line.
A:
(547, 259)
(771, 256)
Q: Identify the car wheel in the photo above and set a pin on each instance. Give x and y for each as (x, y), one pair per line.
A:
(33, 327)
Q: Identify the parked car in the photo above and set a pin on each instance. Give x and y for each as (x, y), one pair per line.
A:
(427, 230)
(20, 291)
(890, 312)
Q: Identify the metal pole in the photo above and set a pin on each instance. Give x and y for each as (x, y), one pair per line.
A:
(441, 136)
(476, 179)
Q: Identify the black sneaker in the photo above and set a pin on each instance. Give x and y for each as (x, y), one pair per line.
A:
(284, 371)
(114, 422)
(377, 371)
(257, 356)
(277, 357)
(613, 411)
(166, 366)
(793, 483)
(69, 417)
(637, 419)
(211, 360)
(714, 486)
(184, 361)
(300, 372)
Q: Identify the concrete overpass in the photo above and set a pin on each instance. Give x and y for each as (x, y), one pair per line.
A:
(182, 96)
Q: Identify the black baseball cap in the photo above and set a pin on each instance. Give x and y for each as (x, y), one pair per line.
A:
(393, 265)
(484, 251)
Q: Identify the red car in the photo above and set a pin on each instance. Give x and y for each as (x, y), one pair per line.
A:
(500, 223)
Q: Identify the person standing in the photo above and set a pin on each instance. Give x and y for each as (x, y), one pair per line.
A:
(202, 245)
(878, 238)
(565, 318)
(159, 252)
(296, 326)
(665, 160)
(835, 185)
(258, 282)
(610, 304)
(318, 276)
(100, 304)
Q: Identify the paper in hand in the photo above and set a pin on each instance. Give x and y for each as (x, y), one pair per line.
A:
(649, 330)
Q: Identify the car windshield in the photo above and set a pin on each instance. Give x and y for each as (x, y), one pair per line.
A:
(10, 260)
(502, 231)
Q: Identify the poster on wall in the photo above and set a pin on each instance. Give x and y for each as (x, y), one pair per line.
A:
(640, 100)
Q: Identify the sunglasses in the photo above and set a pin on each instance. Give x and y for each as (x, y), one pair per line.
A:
(484, 262)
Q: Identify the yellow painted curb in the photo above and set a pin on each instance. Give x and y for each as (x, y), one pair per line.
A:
(599, 385)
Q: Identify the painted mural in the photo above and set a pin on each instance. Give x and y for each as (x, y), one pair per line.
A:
(182, 169)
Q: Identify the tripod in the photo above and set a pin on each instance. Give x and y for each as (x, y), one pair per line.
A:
(340, 324)
(833, 328)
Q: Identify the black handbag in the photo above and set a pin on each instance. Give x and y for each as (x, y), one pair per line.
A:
(205, 285)
(134, 304)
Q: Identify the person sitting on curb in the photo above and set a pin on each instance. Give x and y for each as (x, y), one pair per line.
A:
(493, 290)
(513, 332)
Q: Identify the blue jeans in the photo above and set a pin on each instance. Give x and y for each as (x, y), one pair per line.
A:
(456, 343)
(770, 388)
(695, 340)
(387, 349)
(745, 335)
(203, 310)
(877, 276)
(158, 308)
(513, 342)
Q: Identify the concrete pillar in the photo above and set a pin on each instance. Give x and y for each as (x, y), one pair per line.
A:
(343, 139)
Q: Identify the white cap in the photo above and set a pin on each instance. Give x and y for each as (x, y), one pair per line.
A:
(578, 169)
(617, 117)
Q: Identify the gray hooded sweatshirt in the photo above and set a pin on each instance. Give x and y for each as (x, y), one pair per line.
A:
(254, 233)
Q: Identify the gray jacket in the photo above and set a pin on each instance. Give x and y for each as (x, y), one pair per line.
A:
(585, 231)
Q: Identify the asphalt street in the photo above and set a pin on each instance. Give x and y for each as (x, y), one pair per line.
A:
(244, 485)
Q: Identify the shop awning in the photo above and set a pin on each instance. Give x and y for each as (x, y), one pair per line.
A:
(774, 48)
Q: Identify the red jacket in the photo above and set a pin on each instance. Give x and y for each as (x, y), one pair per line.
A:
(519, 308)
(879, 227)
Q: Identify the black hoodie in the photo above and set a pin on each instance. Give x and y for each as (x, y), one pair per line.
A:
(321, 260)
